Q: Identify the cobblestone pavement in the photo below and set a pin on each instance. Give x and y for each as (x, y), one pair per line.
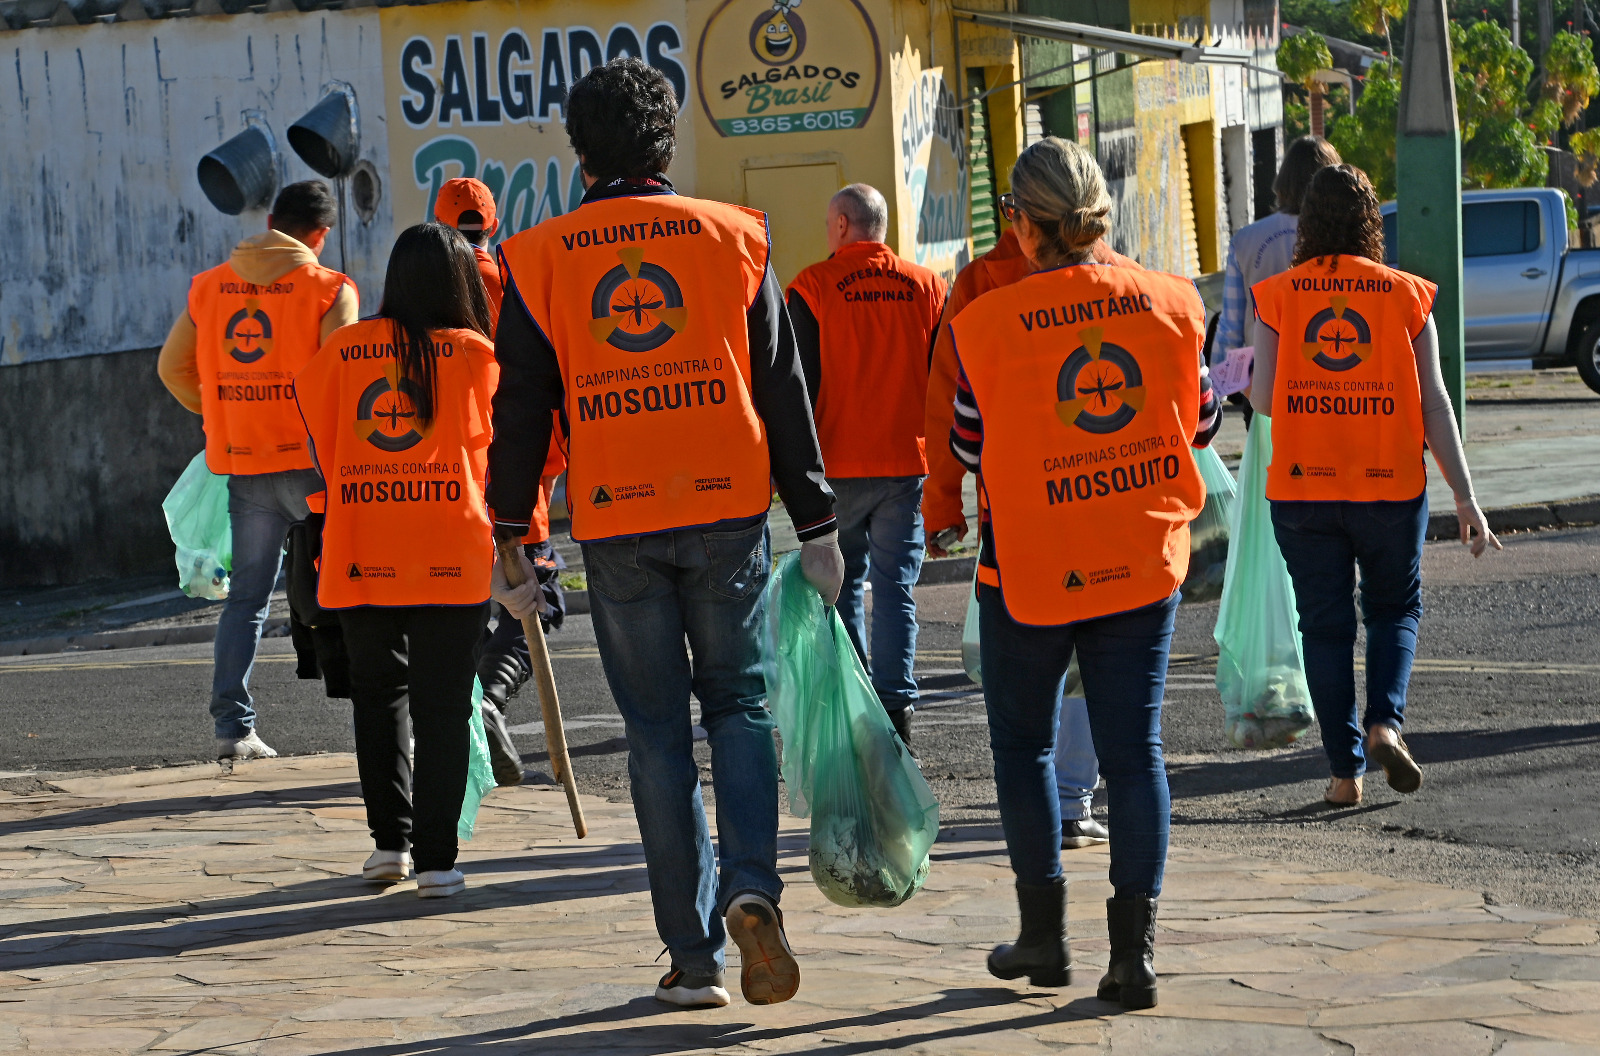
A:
(184, 911)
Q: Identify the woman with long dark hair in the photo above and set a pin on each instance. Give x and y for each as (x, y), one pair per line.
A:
(1352, 402)
(397, 407)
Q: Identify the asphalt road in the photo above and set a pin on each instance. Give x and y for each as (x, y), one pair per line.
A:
(1504, 717)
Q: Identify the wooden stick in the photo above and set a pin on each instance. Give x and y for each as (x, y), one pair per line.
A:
(555, 734)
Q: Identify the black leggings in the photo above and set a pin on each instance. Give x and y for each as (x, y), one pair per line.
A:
(411, 669)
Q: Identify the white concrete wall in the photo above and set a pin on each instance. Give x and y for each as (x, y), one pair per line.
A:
(102, 221)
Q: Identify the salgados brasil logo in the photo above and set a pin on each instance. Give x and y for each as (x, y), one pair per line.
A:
(1337, 338)
(386, 414)
(248, 335)
(637, 307)
(1100, 388)
(778, 36)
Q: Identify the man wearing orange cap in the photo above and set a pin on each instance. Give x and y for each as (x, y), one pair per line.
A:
(468, 206)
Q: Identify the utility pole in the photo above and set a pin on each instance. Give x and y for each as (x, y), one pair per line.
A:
(1516, 22)
(1428, 181)
(1547, 29)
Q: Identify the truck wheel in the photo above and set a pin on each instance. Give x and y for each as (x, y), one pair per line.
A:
(1587, 356)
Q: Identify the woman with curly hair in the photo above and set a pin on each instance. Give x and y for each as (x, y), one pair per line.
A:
(1352, 404)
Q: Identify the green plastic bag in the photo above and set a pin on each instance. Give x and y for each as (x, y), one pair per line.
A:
(1261, 670)
(971, 651)
(873, 816)
(1208, 534)
(197, 518)
(480, 773)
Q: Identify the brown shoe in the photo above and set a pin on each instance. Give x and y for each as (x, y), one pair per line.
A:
(1343, 791)
(769, 973)
(1387, 749)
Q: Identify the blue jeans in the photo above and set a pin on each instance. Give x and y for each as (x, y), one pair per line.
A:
(260, 509)
(649, 595)
(1077, 767)
(1323, 543)
(880, 537)
(1124, 662)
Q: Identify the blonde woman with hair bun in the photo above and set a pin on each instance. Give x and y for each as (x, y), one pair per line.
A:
(1080, 395)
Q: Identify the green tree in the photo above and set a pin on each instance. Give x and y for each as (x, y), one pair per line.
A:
(1503, 134)
(1299, 59)
(1373, 16)
(1500, 131)
(1570, 77)
(1365, 138)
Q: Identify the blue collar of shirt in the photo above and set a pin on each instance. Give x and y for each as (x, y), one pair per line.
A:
(628, 187)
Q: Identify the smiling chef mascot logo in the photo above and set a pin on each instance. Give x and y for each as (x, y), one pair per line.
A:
(778, 36)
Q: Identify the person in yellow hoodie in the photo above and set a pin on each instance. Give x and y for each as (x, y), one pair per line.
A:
(249, 326)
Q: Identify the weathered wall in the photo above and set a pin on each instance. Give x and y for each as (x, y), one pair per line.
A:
(103, 126)
(90, 446)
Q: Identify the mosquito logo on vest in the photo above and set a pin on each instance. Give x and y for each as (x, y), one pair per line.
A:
(637, 307)
(387, 411)
(1337, 338)
(1099, 388)
(248, 335)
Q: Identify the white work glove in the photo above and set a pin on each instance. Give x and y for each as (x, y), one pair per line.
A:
(521, 602)
(1475, 531)
(823, 566)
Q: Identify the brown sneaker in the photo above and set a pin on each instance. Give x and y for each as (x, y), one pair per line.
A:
(1343, 791)
(768, 972)
(1387, 749)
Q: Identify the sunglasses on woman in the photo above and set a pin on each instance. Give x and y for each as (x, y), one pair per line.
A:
(1008, 207)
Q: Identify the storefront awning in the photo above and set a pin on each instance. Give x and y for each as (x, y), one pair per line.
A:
(1109, 39)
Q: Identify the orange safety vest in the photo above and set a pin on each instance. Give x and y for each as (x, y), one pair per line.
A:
(489, 271)
(1088, 381)
(1346, 402)
(555, 461)
(250, 342)
(644, 300)
(406, 521)
(876, 315)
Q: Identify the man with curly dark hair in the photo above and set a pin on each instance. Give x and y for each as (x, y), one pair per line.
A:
(653, 323)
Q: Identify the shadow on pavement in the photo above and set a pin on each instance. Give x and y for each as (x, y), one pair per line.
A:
(295, 909)
(305, 797)
(1248, 773)
(631, 1035)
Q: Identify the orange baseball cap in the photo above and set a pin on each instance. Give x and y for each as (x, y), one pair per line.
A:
(463, 195)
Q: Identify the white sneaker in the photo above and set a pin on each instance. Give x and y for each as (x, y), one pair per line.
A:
(250, 746)
(440, 883)
(387, 867)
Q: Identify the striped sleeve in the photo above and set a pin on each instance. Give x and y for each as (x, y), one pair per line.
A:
(966, 435)
(1210, 420)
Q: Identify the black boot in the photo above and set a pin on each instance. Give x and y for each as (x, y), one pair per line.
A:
(1041, 952)
(1131, 976)
(503, 756)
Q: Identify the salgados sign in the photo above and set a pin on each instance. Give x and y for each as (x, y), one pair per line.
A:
(766, 66)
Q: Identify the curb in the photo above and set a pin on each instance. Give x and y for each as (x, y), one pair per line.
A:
(1568, 513)
(134, 639)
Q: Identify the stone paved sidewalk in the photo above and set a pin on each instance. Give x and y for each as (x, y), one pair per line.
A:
(182, 911)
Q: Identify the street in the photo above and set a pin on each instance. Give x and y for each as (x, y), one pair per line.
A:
(1504, 717)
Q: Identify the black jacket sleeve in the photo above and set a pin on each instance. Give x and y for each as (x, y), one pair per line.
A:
(530, 388)
(778, 387)
(808, 342)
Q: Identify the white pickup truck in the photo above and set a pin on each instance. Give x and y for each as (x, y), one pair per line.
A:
(1527, 295)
